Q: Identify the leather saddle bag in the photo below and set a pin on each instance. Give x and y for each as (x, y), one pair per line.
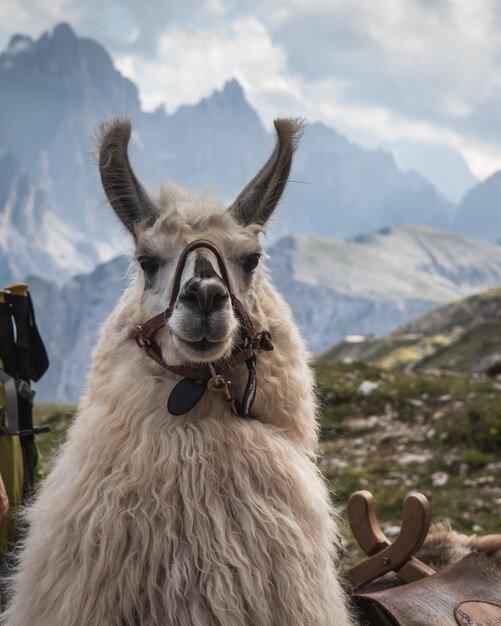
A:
(467, 593)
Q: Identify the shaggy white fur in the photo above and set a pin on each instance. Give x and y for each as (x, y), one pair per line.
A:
(205, 519)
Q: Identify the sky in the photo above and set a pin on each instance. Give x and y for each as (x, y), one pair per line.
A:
(422, 71)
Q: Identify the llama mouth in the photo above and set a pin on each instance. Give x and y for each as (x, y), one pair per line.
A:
(204, 349)
(203, 344)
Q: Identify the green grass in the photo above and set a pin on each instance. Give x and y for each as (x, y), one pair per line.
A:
(448, 423)
(58, 417)
(475, 342)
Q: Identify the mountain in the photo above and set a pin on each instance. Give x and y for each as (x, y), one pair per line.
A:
(32, 236)
(463, 336)
(368, 285)
(444, 167)
(219, 143)
(341, 190)
(57, 89)
(479, 213)
(375, 282)
(69, 317)
(55, 92)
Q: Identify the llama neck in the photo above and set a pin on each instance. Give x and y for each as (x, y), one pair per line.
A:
(123, 377)
(285, 396)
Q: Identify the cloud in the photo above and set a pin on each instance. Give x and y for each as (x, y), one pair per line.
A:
(191, 62)
(414, 66)
(425, 70)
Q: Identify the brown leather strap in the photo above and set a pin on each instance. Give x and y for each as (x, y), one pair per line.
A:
(244, 352)
(194, 245)
(239, 355)
(145, 332)
(247, 328)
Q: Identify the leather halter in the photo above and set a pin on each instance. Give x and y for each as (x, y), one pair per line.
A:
(244, 352)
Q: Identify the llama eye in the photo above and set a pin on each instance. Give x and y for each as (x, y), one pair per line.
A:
(250, 262)
(148, 264)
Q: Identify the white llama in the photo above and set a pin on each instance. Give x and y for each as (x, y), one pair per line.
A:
(204, 518)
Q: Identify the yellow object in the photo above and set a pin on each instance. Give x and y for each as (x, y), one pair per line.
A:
(17, 289)
(11, 456)
(11, 469)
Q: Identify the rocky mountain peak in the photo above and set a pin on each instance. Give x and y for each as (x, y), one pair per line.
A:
(230, 100)
(18, 43)
(63, 33)
(479, 214)
(232, 91)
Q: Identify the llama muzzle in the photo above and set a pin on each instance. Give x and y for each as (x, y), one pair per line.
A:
(190, 390)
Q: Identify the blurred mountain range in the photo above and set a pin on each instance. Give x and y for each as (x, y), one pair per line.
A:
(56, 90)
(54, 223)
(335, 288)
(461, 336)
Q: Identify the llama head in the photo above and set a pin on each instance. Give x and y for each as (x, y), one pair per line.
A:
(203, 327)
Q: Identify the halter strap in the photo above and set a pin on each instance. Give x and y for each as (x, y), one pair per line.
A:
(244, 352)
(194, 245)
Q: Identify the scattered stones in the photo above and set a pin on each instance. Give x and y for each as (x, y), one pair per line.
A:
(391, 531)
(485, 480)
(389, 437)
(367, 387)
(410, 457)
(463, 469)
(390, 482)
(336, 463)
(470, 483)
(439, 479)
(366, 423)
(479, 505)
(490, 365)
(416, 403)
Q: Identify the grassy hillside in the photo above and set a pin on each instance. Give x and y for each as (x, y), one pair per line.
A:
(435, 433)
(58, 417)
(394, 433)
(463, 336)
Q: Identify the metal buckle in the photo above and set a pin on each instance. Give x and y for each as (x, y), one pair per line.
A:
(25, 391)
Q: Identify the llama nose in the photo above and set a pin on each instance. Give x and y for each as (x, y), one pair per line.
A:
(207, 295)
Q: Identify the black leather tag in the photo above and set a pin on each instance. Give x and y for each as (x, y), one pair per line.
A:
(185, 395)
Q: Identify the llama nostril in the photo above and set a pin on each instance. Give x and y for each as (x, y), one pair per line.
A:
(220, 298)
(206, 296)
(212, 297)
(189, 294)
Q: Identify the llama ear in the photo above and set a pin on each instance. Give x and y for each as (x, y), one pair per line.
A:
(126, 195)
(259, 198)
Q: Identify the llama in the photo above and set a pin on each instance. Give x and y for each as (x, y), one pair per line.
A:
(204, 518)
